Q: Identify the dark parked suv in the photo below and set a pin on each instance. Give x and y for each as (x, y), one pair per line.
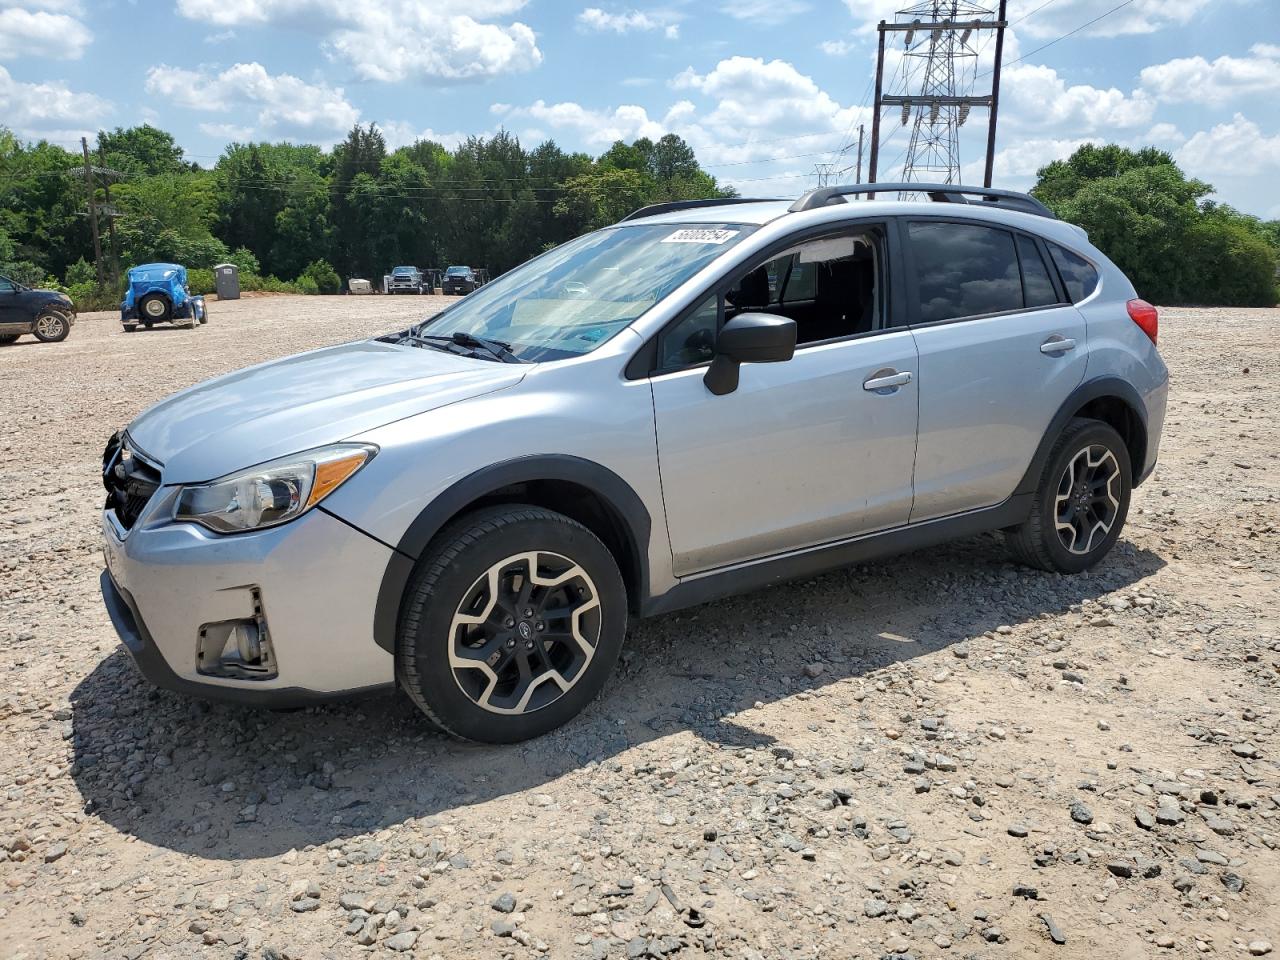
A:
(47, 314)
(461, 280)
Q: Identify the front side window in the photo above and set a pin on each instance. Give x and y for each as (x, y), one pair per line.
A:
(7, 285)
(831, 287)
(964, 270)
(572, 299)
(1078, 274)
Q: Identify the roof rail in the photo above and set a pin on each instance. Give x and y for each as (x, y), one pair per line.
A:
(653, 209)
(938, 192)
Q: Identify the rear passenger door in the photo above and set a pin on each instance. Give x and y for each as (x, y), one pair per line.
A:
(1001, 349)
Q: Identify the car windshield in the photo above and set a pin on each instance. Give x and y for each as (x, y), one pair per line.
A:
(457, 271)
(403, 270)
(571, 299)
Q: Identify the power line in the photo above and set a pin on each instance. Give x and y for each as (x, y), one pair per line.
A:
(1070, 33)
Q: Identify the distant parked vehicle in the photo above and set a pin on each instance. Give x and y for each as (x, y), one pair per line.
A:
(47, 314)
(461, 280)
(158, 293)
(408, 280)
(357, 285)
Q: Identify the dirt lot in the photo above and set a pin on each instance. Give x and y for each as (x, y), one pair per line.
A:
(939, 755)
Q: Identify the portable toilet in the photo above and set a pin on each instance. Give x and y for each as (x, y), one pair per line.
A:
(226, 279)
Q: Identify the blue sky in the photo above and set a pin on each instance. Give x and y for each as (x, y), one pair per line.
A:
(762, 89)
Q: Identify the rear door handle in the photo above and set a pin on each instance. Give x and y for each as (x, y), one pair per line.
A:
(887, 380)
(1057, 344)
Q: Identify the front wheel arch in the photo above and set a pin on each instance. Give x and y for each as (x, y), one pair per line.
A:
(582, 490)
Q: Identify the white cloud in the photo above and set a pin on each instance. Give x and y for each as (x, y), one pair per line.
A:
(397, 40)
(630, 21)
(1197, 80)
(1023, 158)
(50, 111)
(1238, 148)
(222, 36)
(399, 133)
(285, 105)
(836, 48)
(1166, 133)
(596, 128)
(1138, 17)
(755, 124)
(26, 32)
(765, 11)
(227, 131)
(1041, 99)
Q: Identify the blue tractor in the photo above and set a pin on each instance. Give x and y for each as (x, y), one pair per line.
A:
(158, 293)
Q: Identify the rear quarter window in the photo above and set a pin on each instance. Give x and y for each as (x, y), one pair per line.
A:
(1078, 275)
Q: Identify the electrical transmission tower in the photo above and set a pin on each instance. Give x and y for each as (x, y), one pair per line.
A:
(939, 68)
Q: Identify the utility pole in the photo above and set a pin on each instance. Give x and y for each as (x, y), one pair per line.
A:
(875, 117)
(995, 97)
(938, 34)
(858, 178)
(114, 248)
(93, 211)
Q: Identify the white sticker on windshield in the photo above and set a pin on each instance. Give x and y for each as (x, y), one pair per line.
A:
(701, 235)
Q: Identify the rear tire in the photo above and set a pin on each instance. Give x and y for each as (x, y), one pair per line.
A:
(1080, 503)
(511, 624)
(52, 327)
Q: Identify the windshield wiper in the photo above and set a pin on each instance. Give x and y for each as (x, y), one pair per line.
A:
(494, 348)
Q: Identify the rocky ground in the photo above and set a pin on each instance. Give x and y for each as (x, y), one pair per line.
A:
(943, 754)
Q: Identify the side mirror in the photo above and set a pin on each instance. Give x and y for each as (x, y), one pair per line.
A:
(749, 338)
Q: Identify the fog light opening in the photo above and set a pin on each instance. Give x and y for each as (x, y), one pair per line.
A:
(237, 649)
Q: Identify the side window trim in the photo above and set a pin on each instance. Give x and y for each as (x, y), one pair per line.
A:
(643, 363)
(1059, 288)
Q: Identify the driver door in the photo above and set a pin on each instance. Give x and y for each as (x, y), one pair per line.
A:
(803, 452)
(13, 317)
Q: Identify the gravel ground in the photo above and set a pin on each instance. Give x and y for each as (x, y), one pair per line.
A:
(942, 754)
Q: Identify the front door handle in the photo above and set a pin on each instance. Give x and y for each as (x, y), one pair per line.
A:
(1056, 344)
(886, 380)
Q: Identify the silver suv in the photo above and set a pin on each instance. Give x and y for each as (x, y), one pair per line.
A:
(704, 399)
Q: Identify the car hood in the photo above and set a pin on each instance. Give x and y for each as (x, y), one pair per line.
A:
(305, 401)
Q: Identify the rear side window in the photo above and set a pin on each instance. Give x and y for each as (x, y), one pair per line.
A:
(964, 270)
(1078, 274)
(1036, 285)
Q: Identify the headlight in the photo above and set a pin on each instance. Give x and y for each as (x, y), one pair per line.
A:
(272, 493)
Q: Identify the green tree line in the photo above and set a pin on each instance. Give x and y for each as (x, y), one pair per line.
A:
(1177, 246)
(296, 217)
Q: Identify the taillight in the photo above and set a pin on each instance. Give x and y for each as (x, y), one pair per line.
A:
(1145, 316)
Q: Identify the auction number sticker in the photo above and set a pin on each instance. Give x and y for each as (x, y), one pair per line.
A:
(701, 235)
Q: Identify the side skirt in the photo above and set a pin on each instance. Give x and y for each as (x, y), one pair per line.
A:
(758, 574)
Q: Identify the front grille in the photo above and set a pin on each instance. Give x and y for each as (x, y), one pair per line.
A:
(130, 481)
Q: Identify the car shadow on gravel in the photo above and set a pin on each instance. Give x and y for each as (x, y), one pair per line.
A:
(228, 782)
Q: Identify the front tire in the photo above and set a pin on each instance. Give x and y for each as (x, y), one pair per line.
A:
(1081, 502)
(52, 327)
(511, 624)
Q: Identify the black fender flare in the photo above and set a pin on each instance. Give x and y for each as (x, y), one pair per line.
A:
(626, 505)
(1087, 391)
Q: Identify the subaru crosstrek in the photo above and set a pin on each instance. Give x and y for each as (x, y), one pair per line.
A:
(704, 399)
